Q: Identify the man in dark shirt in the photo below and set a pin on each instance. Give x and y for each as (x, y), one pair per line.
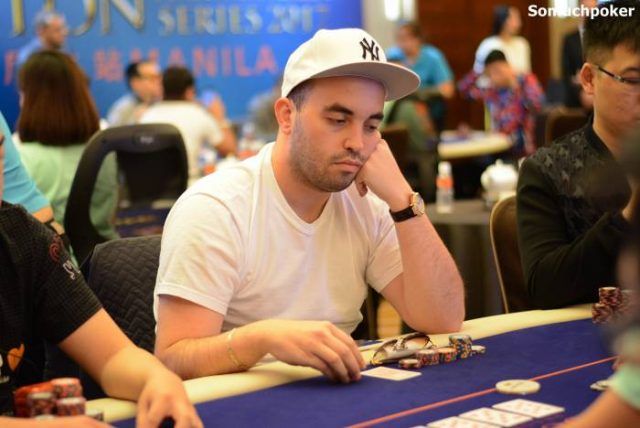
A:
(43, 295)
(573, 198)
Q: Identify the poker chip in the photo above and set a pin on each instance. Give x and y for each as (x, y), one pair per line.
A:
(41, 403)
(613, 303)
(409, 363)
(462, 344)
(517, 387)
(96, 414)
(65, 387)
(610, 296)
(447, 354)
(428, 357)
(71, 406)
(478, 350)
(20, 407)
(45, 417)
(601, 385)
(601, 313)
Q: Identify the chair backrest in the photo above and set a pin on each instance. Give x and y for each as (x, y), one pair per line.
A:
(153, 162)
(397, 136)
(122, 274)
(506, 252)
(562, 121)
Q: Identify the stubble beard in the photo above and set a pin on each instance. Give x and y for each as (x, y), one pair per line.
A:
(307, 165)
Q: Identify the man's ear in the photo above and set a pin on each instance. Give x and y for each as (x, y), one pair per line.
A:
(285, 111)
(587, 77)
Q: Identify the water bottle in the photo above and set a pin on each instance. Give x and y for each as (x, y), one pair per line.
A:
(444, 188)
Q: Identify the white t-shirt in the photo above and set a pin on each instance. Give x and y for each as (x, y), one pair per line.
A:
(516, 50)
(233, 244)
(196, 125)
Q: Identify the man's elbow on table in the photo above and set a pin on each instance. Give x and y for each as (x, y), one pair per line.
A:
(445, 321)
(168, 356)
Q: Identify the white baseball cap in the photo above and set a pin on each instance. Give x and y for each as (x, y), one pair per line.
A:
(347, 52)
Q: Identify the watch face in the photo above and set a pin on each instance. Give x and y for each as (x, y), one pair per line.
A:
(417, 204)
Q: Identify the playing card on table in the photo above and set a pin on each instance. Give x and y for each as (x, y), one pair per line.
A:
(529, 408)
(455, 422)
(390, 374)
(496, 417)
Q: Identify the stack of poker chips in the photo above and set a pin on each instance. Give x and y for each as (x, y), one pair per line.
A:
(613, 303)
(460, 346)
(58, 397)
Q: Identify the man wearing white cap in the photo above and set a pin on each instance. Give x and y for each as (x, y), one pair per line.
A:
(273, 256)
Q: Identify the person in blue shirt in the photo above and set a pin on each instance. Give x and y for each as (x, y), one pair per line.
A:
(436, 78)
(19, 187)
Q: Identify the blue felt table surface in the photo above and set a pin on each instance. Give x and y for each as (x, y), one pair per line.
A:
(520, 354)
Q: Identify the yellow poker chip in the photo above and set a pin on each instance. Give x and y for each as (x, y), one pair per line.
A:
(517, 387)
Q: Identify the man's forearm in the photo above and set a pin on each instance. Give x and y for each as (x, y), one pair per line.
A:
(207, 356)
(125, 374)
(430, 276)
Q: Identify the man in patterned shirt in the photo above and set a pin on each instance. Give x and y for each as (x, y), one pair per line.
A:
(513, 100)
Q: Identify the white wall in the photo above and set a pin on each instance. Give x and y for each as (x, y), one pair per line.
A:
(376, 22)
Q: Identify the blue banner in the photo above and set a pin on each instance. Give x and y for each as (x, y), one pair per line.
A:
(237, 48)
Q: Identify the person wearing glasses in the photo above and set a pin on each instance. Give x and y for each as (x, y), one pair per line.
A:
(574, 201)
(144, 80)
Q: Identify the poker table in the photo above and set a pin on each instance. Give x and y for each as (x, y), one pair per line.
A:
(561, 349)
(477, 143)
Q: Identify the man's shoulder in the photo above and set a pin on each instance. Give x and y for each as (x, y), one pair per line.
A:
(125, 100)
(431, 51)
(232, 186)
(564, 159)
(19, 230)
(571, 144)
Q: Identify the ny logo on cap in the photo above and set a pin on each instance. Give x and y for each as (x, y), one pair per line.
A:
(371, 48)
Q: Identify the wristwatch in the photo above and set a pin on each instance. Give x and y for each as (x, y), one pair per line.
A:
(416, 208)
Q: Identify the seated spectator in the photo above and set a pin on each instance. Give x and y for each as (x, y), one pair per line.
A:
(428, 62)
(423, 139)
(574, 201)
(199, 128)
(57, 118)
(49, 299)
(513, 100)
(506, 27)
(145, 88)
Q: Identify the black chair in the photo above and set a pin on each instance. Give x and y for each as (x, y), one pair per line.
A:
(153, 166)
(122, 274)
